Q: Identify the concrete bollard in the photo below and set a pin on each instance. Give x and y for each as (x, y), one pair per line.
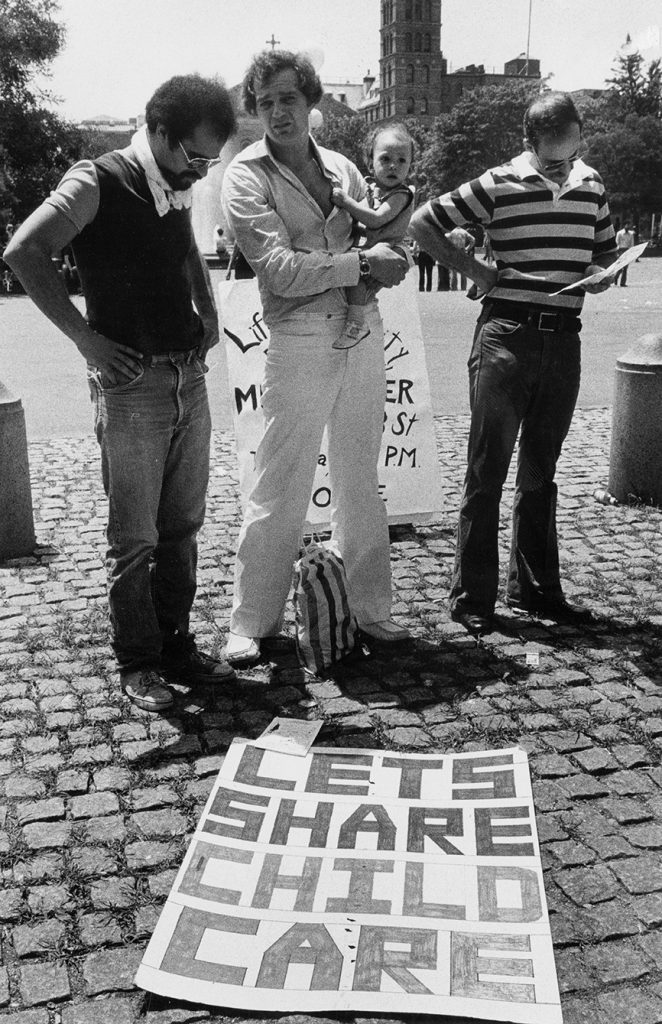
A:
(16, 521)
(635, 466)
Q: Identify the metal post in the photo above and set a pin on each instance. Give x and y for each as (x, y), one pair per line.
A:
(17, 536)
(635, 466)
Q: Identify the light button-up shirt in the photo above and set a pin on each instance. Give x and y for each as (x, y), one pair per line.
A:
(301, 258)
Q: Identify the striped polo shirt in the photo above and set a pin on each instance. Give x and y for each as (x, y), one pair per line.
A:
(536, 227)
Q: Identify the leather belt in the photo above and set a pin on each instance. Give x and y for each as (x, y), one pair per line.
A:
(539, 319)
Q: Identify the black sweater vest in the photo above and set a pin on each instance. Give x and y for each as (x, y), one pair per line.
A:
(132, 264)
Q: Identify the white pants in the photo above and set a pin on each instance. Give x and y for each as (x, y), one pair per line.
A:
(309, 385)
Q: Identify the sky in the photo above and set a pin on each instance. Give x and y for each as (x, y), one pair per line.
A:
(118, 51)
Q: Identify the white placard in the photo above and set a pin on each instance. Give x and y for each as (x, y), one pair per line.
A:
(364, 881)
(409, 472)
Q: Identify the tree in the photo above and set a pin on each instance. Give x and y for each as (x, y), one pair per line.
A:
(638, 91)
(346, 134)
(29, 40)
(37, 145)
(482, 130)
(629, 158)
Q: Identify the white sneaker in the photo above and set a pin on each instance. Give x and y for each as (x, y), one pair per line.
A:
(242, 650)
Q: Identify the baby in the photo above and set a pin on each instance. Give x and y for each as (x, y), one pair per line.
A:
(385, 214)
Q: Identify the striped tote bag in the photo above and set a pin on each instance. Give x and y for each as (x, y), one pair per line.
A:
(325, 627)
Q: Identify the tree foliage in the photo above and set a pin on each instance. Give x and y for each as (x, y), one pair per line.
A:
(344, 134)
(638, 90)
(37, 145)
(483, 130)
(629, 158)
(29, 39)
(623, 129)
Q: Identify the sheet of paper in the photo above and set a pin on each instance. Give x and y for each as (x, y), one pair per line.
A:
(629, 256)
(289, 736)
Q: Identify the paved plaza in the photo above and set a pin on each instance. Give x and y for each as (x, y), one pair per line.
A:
(99, 798)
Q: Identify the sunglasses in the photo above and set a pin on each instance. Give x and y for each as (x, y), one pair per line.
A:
(200, 163)
(557, 165)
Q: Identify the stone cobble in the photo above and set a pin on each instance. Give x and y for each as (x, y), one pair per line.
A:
(98, 799)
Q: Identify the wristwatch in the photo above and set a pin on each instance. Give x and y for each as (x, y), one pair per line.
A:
(364, 265)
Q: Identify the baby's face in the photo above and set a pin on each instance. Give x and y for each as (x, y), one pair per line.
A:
(391, 160)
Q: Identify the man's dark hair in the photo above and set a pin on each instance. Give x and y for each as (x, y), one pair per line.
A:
(181, 103)
(552, 113)
(398, 128)
(265, 65)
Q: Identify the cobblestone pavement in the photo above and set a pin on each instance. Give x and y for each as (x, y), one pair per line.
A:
(98, 798)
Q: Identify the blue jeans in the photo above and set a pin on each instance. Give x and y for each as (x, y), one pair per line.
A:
(519, 377)
(154, 432)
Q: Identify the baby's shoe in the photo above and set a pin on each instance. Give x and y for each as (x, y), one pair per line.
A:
(352, 335)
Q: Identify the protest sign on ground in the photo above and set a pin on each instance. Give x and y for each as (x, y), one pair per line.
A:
(366, 881)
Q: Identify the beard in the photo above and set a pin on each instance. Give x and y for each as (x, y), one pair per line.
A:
(179, 182)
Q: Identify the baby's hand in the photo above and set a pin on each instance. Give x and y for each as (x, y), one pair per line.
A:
(338, 197)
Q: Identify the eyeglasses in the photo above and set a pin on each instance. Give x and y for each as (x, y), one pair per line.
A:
(557, 165)
(200, 163)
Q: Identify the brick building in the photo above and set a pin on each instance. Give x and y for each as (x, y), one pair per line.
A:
(414, 80)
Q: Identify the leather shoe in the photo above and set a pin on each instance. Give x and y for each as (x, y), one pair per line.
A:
(387, 631)
(242, 650)
(556, 608)
(475, 624)
(182, 656)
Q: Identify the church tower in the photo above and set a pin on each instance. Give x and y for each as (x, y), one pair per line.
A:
(411, 64)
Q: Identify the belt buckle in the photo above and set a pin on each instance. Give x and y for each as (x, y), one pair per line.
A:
(542, 319)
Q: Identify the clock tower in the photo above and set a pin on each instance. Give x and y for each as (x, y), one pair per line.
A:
(411, 64)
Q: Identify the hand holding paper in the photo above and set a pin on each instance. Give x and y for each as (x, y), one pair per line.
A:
(629, 256)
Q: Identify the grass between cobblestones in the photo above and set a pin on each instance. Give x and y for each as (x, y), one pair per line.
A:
(99, 799)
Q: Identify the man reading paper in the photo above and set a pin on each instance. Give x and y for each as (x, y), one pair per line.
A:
(546, 215)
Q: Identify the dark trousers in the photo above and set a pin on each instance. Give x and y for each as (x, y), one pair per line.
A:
(425, 268)
(519, 377)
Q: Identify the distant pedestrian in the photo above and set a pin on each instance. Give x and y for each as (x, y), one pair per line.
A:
(425, 268)
(625, 239)
(546, 214)
(127, 217)
(220, 247)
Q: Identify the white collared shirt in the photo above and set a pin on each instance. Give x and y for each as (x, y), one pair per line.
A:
(301, 258)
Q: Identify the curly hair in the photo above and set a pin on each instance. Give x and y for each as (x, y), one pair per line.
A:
(552, 113)
(268, 63)
(181, 103)
(398, 128)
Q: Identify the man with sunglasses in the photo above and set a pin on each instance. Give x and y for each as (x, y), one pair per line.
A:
(150, 320)
(546, 215)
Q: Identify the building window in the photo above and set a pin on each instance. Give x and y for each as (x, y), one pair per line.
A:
(426, 42)
(411, 106)
(407, 42)
(424, 104)
(428, 10)
(390, 75)
(408, 7)
(425, 75)
(417, 42)
(409, 74)
(418, 11)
